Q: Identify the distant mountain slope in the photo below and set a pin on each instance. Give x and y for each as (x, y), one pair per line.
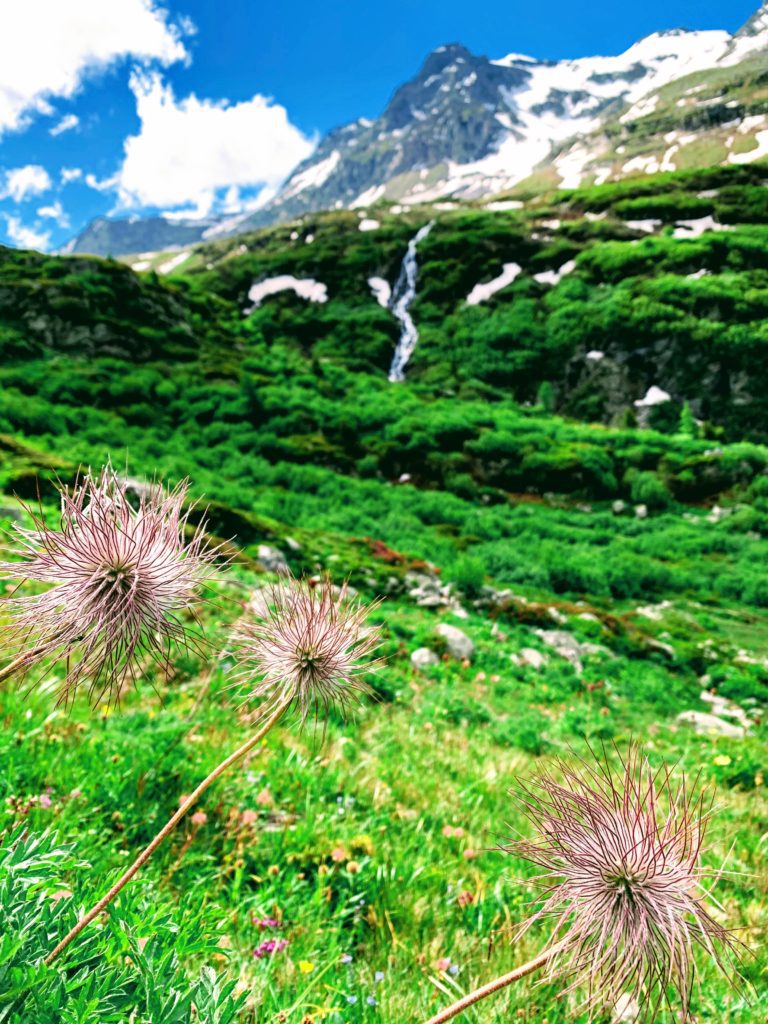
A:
(266, 357)
(616, 303)
(466, 126)
(105, 237)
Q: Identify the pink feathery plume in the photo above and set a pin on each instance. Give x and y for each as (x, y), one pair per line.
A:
(119, 577)
(622, 882)
(311, 644)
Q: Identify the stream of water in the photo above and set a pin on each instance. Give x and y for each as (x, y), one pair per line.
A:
(402, 296)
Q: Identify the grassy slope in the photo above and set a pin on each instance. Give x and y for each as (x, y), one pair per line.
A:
(284, 419)
(345, 841)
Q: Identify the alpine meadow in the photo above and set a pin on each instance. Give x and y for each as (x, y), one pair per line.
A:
(383, 587)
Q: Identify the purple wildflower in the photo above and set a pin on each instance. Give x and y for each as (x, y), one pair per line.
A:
(310, 646)
(119, 578)
(262, 923)
(268, 947)
(621, 881)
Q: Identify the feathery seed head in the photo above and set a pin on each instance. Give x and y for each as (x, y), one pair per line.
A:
(622, 881)
(119, 578)
(310, 645)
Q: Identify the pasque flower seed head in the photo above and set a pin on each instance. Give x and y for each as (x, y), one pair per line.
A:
(622, 881)
(311, 646)
(119, 577)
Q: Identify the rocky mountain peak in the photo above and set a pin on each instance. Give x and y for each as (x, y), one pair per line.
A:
(443, 57)
(465, 127)
(756, 25)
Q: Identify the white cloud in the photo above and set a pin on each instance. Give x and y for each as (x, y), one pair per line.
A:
(47, 47)
(54, 211)
(70, 174)
(27, 238)
(101, 184)
(67, 123)
(21, 182)
(189, 149)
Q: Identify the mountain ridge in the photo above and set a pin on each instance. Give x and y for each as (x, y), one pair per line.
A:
(466, 127)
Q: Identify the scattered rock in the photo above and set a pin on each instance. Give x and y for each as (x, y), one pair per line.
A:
(458, 643)
(273, 559)
(641, 511)
(428, 591)
(568, 647)
(659, 645)
(562, 643)
(654, 611)
(557, 616)
(393, 585)
(743, 658)
(423, 658)
(292, 544)
(492, 598)
(619, 507)
(530, 658)
(724, 708)
(706, 725)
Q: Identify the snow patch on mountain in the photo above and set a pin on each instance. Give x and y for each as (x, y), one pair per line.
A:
(306, 288)
(382, 290)
(754, 154)
(653, 396)
(175, 261)
(314, 176)
(483, 291)
(553, 277)
(369, 197)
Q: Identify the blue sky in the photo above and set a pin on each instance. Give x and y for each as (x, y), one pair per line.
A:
(141, 106)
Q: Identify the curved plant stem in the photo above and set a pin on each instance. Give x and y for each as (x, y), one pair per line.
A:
(16, 664)
(166, 830)
(494, 986)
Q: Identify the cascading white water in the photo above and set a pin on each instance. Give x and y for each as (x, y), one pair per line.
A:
(402, 297)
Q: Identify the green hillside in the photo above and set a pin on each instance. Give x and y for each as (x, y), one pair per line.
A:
(606, 560)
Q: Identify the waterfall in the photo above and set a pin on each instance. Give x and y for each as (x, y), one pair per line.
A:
(402, 297)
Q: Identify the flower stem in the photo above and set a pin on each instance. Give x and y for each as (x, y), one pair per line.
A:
(166, 830)
(494, 986)
(16, 664)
